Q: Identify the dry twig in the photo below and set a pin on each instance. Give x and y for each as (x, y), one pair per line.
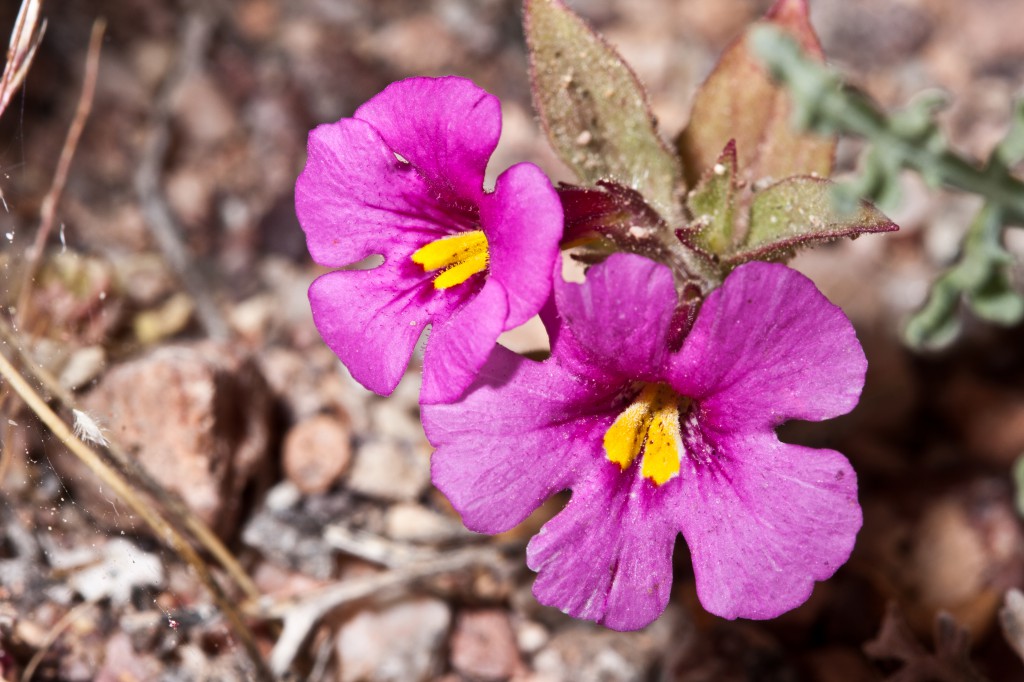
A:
(159, 219)
(123, 489)
(179, 515)
(25, 38)
(302, 613)
(60, 176)
(52, 635)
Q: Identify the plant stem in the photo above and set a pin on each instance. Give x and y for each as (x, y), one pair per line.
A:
(824, 105)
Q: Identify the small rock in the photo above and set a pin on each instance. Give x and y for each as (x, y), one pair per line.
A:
(393, 419)
(989, 417)
(165, 320)
(954, 549)
(390, 470)
(119, 568)
(122, 662)
(197, 418)
(415, 523)
(484, 646)
(203, 111)
(253, 317)
(272, 579)
(589, 654)
(530, 636)
(289, 546)
(190, 196)
(422, 43)
(146, 279)
(875, 34)
(312, 382)
(402, 643)
(84, 365)
(282, 497)
(317, 451)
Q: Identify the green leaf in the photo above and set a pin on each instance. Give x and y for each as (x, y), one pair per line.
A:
(1010, 151)
(800, 211)
(997, 302)
(936, 325)
(981, 277)
(740, 101)
(595, 111)
(712, 204)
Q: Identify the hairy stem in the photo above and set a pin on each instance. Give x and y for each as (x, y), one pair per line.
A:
(824, 105)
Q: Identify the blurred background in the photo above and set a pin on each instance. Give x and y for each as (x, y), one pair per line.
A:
(170, 300)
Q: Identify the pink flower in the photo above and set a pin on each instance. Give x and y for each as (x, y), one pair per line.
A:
(403, 178)
(654, 442)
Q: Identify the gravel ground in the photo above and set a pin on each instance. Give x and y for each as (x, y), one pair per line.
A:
(209, 374)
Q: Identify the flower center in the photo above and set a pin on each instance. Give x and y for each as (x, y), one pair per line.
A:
(650, 425)
(458, 257)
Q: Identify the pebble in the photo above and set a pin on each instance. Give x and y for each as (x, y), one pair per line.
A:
(83, 365)
(530, 636)
(122, 662)
(317, 451)
(390, 470)
(117, 570)
(584, 653)
(414, 523)
(393, 418)
(484, 647)
(400, 643)
(203, 110)
(197, 418)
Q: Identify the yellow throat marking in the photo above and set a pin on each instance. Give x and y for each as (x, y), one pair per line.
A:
(458, 257)
(651, 423)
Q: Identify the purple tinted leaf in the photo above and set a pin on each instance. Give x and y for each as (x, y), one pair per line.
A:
(610, 210)
(739, 101)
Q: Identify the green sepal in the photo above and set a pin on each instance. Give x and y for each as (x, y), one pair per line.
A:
(801, 211)
(712, 205)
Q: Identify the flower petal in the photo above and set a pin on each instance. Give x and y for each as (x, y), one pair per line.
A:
(607, 556)
(767, 346)
(523, 222)
(524, 431)
(372, 319)
(355, 199)
(458, 346)
(446, 128)
(621, 314)
(763, 521)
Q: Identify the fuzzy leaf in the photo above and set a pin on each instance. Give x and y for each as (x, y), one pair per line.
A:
(712, 203)
(800, 211)
(739, 101)
(981, 277)
(937, 324)
(594, 110)
(1010, 151)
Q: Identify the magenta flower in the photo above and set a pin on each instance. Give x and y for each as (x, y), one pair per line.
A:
(403, 178)
(654, 442)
